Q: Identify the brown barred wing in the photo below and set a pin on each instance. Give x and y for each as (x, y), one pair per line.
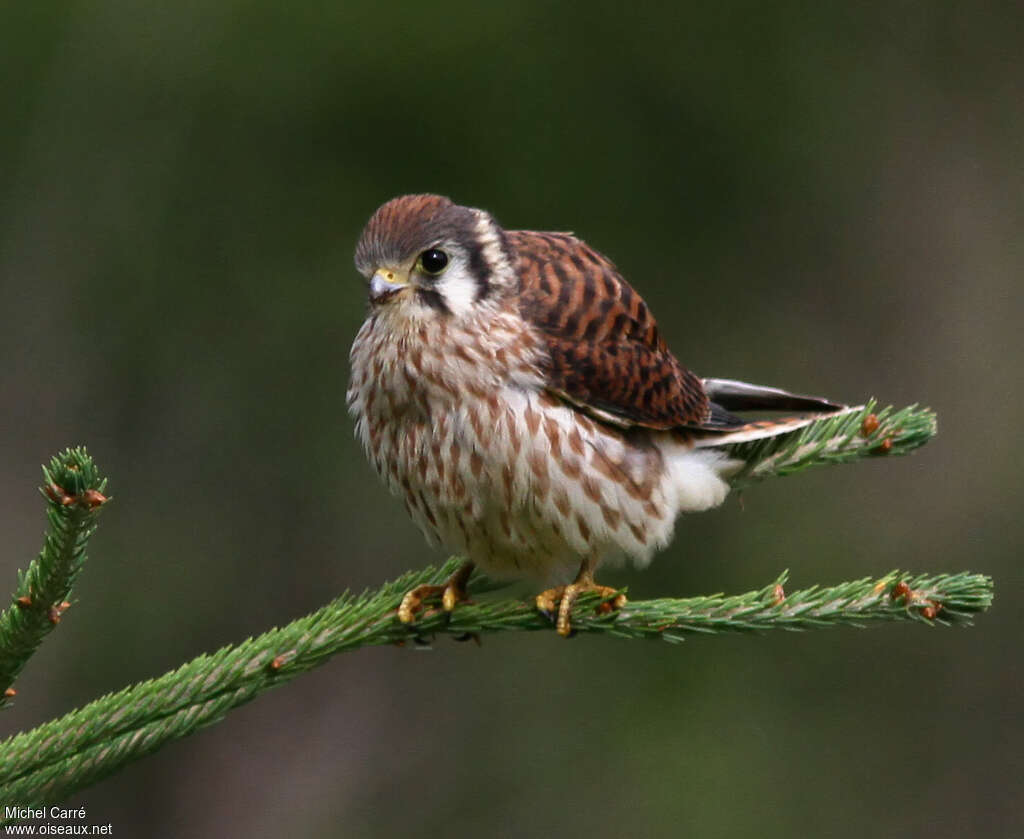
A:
(605, 354)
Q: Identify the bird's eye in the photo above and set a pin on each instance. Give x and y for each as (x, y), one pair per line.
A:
(433, 261)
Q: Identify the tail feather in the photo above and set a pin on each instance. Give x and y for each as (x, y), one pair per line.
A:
(729, 395)
(752, 430)
(733, 395)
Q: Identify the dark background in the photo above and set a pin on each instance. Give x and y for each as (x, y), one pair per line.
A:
(808, 196)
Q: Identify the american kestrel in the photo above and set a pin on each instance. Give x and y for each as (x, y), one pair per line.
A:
(514, 390)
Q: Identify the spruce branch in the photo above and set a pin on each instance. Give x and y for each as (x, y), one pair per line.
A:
(65, 755)
(840, 438)
(73, 490)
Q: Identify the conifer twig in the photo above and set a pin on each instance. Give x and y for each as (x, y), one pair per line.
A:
(841, 438)
(68, 754)
(58, 758)
(73, 490)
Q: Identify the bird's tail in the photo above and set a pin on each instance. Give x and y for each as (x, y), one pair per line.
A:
(775, 447)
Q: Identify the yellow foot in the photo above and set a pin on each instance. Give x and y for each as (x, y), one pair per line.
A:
(565, 596)
(451, 593)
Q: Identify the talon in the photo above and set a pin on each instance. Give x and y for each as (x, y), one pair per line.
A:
(450, 597)
(547, 602)
(451, 593)
(413, 601)
(563, 626)
(566, 596)
(613, 605)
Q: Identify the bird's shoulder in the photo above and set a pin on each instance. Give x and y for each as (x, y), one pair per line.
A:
(605, 353)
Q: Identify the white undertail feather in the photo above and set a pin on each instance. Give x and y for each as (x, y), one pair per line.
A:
(697, 476)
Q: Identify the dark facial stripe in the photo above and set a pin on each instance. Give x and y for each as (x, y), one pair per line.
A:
(479, 268)
(432, 299)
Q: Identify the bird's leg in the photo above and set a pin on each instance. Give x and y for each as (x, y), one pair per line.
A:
(565, 596)
(450, 593)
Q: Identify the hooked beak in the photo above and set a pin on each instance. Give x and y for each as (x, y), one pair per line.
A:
(385, 284)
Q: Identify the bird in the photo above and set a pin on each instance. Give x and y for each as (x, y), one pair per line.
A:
(514, 390)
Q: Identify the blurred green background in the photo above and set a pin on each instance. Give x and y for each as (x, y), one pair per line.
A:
(807, 195)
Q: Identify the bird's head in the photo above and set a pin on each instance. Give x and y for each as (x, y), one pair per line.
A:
(424, 254)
